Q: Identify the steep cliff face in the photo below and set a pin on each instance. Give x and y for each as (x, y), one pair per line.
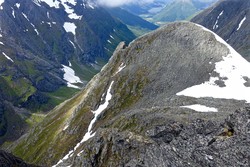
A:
(230, 20)
(50, 49)
(144, 102)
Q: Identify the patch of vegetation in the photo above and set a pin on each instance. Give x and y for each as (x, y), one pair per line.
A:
(34, 119)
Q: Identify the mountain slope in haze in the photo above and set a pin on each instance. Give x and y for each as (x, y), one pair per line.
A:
(135, 23)
(48, 50)
(230, 20)
(145, 8)
(180, 10)
(138, 108)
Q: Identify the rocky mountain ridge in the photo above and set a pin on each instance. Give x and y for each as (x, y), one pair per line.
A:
(135, 104)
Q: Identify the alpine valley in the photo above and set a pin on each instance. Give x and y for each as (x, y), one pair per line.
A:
(177, 96)
(48, 51)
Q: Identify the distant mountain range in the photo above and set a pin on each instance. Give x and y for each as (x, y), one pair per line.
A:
(231, 20)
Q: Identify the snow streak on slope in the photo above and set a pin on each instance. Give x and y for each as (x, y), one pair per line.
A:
(241, 22)
(121, 67)
(13, 13)
(70, 77)
(90, 134)
(216, 23)
(235, 71)
(8, 57)
(201, 108)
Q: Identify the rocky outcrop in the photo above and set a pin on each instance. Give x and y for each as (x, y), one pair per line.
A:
(230, 20)
(200, 143)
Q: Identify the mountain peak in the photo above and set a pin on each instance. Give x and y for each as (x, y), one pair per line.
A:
(143, 86)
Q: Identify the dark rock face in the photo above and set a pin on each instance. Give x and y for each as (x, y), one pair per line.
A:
(8, 160)
(227, 24)
(201, 143)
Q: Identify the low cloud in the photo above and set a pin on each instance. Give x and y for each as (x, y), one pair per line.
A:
(116, 3)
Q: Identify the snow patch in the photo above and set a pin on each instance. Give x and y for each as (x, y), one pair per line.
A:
(18, 5)
(13, 13)
(241, 22)
(91, 6)
(234, 68)
(7, 57)
(52, 3)
(70, 27)
(66, 127)
(201, 108)
(121, 67)
(109, 41)
(75, 16)
(37, 33)
(1, 2)
(111, 36)
(72, 44)
(1, 43)
(90, 134)
(216, 23)
(25, 16)
(36, 2)
(70, 77)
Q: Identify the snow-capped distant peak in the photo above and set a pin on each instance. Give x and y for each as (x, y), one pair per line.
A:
(235, 71)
